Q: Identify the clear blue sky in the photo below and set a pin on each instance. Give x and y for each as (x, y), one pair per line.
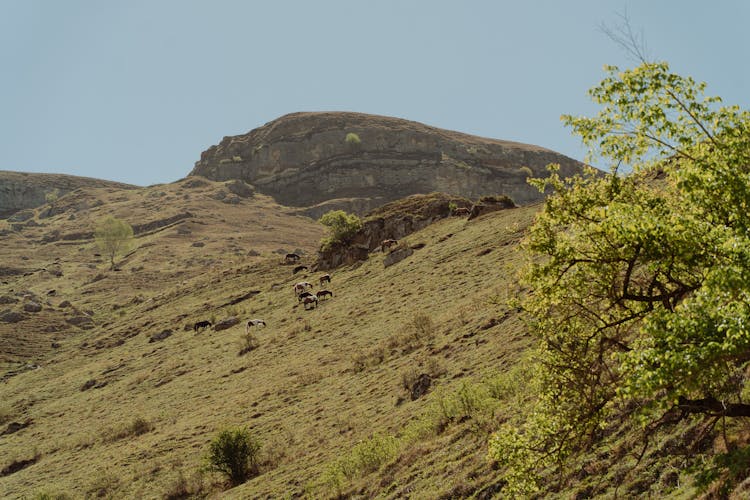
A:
(134, 90)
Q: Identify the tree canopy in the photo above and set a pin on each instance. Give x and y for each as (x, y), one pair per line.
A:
(639, 284)
(114, 237)
(342, 226)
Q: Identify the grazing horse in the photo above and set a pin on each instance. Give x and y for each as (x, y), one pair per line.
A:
(312, 299)
(323, 293)
(298, 269)
(387, 244)
(303, 295)
(200, 325)
(254, 323)
(324, 278)
(461, 211)
(291, 258)
(301, 287)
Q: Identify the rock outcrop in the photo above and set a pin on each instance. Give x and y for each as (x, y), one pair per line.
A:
(391, 221)
(21, 190)
(358, 162)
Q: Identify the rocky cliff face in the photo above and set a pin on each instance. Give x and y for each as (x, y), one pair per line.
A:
(20, 190)
(391, 221)
(360, 161)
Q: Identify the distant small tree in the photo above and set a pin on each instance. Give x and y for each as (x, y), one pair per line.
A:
(342, 226)
(352, 139)
(234, 453)
(113, 237)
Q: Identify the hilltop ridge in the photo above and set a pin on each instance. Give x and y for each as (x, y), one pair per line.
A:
(24, 190)
(357, 161)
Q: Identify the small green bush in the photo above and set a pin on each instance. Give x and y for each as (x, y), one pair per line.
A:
(352, 138)
(342, 227)
(234, 453)
(365, 457)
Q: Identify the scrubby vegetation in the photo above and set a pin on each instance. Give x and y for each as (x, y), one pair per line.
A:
(234, 453)
(342, 227)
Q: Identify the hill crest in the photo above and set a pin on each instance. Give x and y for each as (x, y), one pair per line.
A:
(364, 161)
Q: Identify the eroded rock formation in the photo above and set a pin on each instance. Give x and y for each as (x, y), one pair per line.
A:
(357, 162)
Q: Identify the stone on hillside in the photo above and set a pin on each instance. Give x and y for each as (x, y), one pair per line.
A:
(489, 204)
(198, 244)
(397, 255)
(53, 235)
(420, 386)
(160, 336)
(226, 323)
(8, 299)
(11, 317)
(32, 306)
(21, 216)
(64, 304)
(14, 427)
(194, 183)
(232, 199)
(240, 188)
(88, 385)
(81, 321)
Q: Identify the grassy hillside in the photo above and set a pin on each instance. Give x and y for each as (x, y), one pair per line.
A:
(109, 410)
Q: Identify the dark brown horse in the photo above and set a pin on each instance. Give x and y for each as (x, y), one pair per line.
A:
(200, 325)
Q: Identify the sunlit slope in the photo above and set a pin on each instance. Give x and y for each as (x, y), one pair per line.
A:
(319, 381)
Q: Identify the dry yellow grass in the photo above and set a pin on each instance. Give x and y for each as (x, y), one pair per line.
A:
(300, 391)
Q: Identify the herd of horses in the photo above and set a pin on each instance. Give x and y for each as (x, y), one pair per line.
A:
(302, 290)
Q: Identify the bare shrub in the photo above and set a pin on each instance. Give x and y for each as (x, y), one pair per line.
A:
(186, 487)
(248, 343)
(104, 485)
(135, 427)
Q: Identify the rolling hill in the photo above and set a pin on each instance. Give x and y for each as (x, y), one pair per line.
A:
(108, 390)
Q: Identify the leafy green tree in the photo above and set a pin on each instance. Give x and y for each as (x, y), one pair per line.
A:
(639, 284)
(342, 227)
(113, 237)
(234, 453)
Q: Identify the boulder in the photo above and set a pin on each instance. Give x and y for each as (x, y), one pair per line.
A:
(226, 323)
(160, 336)
(240, 188)
(11, 317)
(21, 216)
(81, 321)
(397, 255)
(32, 306)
